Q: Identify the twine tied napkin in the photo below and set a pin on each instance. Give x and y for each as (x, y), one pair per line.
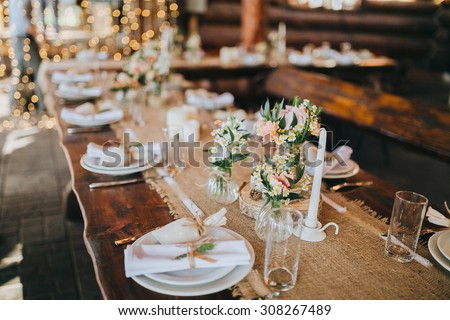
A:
(144, 259)
(88, 112)
(59, 77)
(189, 229)
(115, 155)
(438, 218)
(72, 90)
(209, 100)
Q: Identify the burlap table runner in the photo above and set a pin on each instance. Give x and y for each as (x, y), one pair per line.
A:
(350, 265)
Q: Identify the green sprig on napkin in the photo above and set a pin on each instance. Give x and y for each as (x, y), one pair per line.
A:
(203, 248)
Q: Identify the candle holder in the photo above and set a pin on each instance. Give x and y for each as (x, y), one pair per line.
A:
(310, 229)
(313, 234)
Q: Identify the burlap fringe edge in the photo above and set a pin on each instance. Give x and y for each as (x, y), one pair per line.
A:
(153, 185)
(366, 209)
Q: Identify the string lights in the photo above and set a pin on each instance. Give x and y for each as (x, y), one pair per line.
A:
(119, 31)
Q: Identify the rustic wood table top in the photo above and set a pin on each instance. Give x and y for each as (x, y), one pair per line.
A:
(119, 212)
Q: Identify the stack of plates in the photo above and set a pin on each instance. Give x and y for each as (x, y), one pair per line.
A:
(349, 169)
(107, 117)
(92, 164)
(75, 96)
(196, 282)
(439, 246)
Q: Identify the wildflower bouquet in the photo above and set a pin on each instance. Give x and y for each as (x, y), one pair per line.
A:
(229, 141)
(279, 177)
(149, 67)
(288, 125)
(124, 82)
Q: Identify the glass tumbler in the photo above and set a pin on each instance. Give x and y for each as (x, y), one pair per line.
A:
(282, 251)
(172, 154)
(404, 229)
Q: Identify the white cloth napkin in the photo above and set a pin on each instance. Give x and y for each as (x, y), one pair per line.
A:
(143, 259)
(60, 77)
(438, 218)
(72, 90)
(209, 100)
(340, 157)
(86, 112)
(147, 154)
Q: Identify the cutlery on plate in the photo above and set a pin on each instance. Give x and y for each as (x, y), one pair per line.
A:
(350, 184)
(86, 129)
(96, 185)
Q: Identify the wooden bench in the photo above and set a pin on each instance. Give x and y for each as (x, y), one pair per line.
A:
(390, 115)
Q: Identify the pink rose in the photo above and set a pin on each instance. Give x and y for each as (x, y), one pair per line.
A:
(267, 130)
(283, 179)
(289, 113)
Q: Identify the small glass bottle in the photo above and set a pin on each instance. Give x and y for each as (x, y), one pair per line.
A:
(221, 187)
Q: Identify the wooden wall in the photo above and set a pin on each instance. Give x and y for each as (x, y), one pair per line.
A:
(396, 29)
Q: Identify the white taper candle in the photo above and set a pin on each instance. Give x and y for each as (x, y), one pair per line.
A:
(311, 220)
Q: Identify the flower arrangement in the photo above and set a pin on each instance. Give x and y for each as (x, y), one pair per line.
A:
(148, 67)
(124, 82)
(288, 125)
(279, 177)
(229, 141)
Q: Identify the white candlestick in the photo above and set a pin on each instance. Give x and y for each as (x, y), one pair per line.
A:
(282, 30)
(311, 220)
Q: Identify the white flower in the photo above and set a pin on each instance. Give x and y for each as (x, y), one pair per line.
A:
(291, 136)
(213, 150)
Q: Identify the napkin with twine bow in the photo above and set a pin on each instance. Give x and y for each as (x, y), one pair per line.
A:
(144, 259)
(59, 77)
(438, 218)
(88, 112)
(75, 91)
(115, 155)
(184, 246)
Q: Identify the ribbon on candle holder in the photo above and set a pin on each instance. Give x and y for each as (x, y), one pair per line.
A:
(197, 250)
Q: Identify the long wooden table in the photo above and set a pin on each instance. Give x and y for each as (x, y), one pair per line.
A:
(114, 213)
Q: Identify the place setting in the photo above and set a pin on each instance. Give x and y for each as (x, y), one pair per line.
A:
(119, 159)
(439, 243)
(91, 114)
(72, 76)
(190, 257)
(78, 91)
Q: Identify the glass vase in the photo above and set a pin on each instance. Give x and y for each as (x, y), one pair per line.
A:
(273, 208)
(221, 186)
(281, 251)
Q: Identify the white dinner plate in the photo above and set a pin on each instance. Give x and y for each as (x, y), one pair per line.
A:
(94, 163)
(230, 279)
(74, 97)
(435, 252)
(349, 174)
(86, 122)
(342, 169)
(191, 277)
(443, 244)
(86, 163)
(94, 122)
